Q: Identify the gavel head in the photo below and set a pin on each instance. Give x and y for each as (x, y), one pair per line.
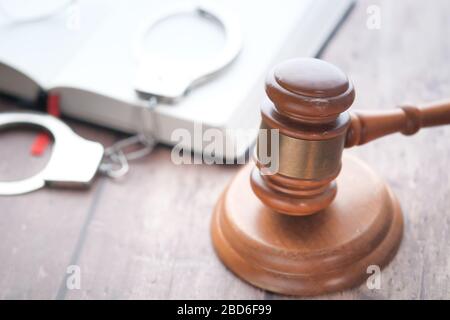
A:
(307, 103)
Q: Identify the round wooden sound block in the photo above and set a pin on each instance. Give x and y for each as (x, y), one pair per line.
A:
(309, 255)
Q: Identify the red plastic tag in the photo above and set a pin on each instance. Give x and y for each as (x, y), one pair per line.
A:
(40, 144)
(43, 139)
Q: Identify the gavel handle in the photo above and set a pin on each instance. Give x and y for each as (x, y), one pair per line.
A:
(366, 126)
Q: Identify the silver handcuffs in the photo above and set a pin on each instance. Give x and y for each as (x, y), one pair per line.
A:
(75, 161)
(163, 80)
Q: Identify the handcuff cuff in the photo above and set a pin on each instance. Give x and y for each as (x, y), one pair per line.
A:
(75, 161)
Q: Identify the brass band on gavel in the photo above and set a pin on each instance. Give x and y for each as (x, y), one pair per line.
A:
(303, 159)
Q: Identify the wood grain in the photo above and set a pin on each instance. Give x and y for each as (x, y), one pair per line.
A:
(147, 236)
(328, 251)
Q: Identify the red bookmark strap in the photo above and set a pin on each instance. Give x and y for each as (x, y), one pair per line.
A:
(43, 139)
(53, 105)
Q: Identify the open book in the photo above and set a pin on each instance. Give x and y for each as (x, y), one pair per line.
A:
(90, 65)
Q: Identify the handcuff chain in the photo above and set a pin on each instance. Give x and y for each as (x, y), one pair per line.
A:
(115, 163)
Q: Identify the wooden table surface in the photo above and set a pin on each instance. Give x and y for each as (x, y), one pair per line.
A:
(147, 236)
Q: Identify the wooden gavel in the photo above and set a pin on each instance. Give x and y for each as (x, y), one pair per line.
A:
(358, 222)
(308, 104)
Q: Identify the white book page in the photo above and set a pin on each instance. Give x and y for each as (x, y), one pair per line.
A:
(107, 65)
(40, 49)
